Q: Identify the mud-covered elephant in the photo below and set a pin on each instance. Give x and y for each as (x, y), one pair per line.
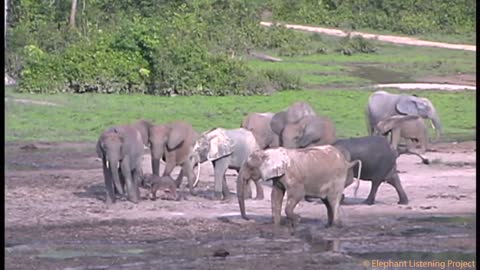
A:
(410, 127)
(226, 149)
(259, 125)
(382, 105)
(315, 172)
(309, 131)
(173, 142)
(121, 150)
(291, 115)
(379, 164)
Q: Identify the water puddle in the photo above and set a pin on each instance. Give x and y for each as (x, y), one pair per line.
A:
(379, 75)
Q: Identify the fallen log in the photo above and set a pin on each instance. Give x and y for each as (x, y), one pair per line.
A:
(265, 57)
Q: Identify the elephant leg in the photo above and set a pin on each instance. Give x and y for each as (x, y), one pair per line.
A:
(278, 191)
(326, 202)
(373, 192)
(132, 188)
(170, 161)
(179, 179)
(110, 188)
(220, 167)
(395, 138)
(259, 189)
(334, 202)
(225, 190)
(187, 168)
(294, 196)
(394, 180)
(137, 176)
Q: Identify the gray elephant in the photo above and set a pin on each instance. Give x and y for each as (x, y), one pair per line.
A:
(379, 163)
(143, 126)
(121, 151)
(173, 142)
(259, 125)
(309, 131)
(291, 115)
(165, 184)
(315, 172)
(382, 105)
(410, 127)
(227, 149)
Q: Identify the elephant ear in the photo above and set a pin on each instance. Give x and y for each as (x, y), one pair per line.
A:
(275, 162)
(99, 148)
(177, 135)
(220, 144)
(407, 106)
(277, 124)
(312, 131)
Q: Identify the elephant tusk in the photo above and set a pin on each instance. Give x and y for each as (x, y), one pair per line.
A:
(198, 175)
(108, 164)
(358, 179)
(118, 165)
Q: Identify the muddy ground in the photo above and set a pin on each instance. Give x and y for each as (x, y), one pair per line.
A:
(56, 219)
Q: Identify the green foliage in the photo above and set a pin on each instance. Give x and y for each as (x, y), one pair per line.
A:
(185, 51)
(356, 44)
(407, 16)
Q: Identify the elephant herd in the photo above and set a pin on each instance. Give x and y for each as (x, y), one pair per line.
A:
(296, 149)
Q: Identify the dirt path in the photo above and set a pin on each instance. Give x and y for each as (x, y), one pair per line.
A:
(56, 219)
(384, 38)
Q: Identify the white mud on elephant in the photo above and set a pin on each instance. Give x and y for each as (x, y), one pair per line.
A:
(56, 218)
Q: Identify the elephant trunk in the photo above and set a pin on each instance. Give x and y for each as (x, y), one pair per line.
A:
(241, 181)
(113, 165)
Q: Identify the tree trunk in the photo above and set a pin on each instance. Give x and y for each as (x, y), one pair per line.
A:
(73, 12)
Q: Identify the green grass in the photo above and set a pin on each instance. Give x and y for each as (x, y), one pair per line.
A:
(83, 117)
(392, 63)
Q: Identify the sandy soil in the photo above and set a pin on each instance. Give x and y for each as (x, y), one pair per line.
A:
(56, 218)
(384, 38)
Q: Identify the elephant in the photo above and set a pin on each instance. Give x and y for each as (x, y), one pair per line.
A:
(379, 163)
(227, 149)
(259, 125)
(165, 184)
(382, 105)
(293, 114)
(143, 126)
(173, 142)
(318, 172)
(410, 127)
(121, 150)
(309, 131)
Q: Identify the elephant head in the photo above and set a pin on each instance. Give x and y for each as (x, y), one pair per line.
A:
(110, 149)
(311, 130)
(261, 164)
(385, 126)
(211, 145)
(423, 107)
(259, 125)
(166, 138)
(293, 114)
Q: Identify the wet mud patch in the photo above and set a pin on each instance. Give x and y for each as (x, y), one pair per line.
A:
(378, 74)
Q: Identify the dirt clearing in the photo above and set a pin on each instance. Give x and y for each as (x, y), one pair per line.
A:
(56, 219)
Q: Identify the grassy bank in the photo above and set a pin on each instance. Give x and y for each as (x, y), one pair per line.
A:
(83, 117)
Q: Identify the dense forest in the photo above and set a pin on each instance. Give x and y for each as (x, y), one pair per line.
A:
(165, 47)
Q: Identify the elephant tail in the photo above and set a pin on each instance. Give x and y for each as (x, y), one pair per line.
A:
(367, 121)
(357, 184)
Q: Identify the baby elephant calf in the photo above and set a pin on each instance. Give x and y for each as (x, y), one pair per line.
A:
(165, 184)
